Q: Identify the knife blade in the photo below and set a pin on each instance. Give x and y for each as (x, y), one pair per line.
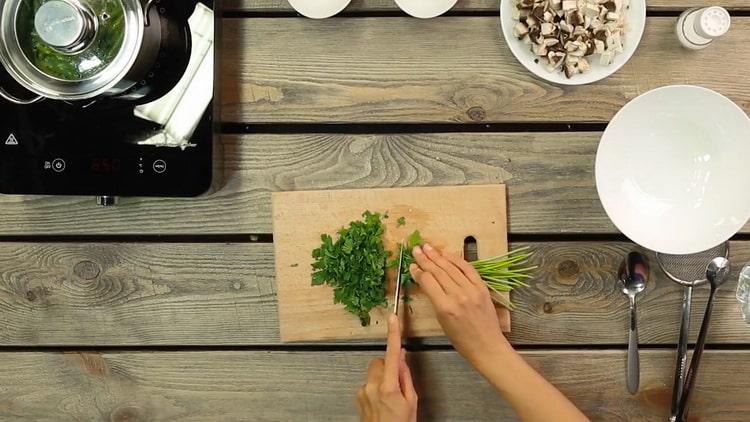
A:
(397, 297)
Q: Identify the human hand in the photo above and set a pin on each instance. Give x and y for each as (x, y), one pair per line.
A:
(389, 394)
(462, 302)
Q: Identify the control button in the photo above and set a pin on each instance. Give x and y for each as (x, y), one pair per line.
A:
(160, 166)
(58, 165)
(11, 140)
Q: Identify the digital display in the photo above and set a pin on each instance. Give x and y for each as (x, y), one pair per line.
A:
(106, 165)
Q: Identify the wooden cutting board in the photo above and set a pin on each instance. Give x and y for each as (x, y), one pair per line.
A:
(445, 216)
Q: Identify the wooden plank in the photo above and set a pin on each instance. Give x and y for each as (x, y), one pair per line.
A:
(306, 312)
(449, 70)
(310, 386)
(224, 294)
(461, 6)
(550, 179)
(549, 192)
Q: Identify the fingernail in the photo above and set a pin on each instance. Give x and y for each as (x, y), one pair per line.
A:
(427, 247)
(413, 267)
(403, 355)
(392, 321)
(417, 250)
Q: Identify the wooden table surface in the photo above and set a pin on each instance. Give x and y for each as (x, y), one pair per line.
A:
(165, 309)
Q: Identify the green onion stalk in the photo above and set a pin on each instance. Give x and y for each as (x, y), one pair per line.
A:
(505, 272)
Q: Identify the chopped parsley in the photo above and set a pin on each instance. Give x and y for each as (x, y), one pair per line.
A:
(354, 265)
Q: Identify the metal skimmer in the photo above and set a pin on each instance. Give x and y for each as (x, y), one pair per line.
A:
(688, 271)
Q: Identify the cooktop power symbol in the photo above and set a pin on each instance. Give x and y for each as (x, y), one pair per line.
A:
(11, 140)
(58, 165)
(160, 166)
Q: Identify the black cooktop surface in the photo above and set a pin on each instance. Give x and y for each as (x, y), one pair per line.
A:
(84, 148)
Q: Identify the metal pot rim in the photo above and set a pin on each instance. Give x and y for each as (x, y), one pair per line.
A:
(30, 77)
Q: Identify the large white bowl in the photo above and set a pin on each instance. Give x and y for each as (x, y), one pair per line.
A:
(673, 169)
(636, 21)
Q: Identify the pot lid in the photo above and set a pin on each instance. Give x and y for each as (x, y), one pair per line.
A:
(70, 49)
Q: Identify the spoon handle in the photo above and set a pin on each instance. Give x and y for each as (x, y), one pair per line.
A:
(696, 360)
(634, 369)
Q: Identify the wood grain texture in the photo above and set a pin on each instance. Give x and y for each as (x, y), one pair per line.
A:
(461, 6)
(550, 179)
(445, 216)
(310, 386)
(224, 294)
(448, 70)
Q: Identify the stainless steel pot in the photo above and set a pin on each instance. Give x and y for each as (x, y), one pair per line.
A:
(78, 49)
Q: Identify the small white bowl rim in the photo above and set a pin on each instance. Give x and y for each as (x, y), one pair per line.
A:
(344, 3)
(400, 4)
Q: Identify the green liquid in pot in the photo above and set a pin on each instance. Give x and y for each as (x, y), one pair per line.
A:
(81, 65)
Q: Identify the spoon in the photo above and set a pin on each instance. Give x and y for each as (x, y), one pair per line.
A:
(633, 275)
(716, 273)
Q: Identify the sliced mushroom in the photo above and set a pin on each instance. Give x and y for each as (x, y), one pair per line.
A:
(539, 50)
(576, 18)
(591, 10)
(566, 27)
(569, 5)
(566, 32)
(583, 65)
(548, 29)
(520, 30)
(570, 70)
(610, 6)
(538, 12)
(598, 46)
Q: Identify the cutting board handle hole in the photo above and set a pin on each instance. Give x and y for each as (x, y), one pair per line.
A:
(471, 250)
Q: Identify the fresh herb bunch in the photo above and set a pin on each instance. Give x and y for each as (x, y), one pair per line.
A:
(503, 273)
(354, 265)
(414, 240)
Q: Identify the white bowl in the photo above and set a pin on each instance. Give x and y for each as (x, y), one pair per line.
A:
(635, 19)
(426, 9)
(319, 9)
(673, 169)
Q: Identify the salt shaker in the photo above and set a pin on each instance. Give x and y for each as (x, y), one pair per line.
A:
(698, 27)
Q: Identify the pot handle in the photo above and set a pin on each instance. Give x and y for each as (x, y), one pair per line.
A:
(20, 101)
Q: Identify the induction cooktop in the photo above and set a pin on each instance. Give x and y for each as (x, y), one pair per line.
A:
(160, 145)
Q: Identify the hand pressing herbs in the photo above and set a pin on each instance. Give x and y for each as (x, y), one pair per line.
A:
(501, 274)
(354, 265)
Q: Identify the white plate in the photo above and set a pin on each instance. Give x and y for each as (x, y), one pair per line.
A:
(673, 169)
(426, 9)
(319, 9)
(635, 19)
